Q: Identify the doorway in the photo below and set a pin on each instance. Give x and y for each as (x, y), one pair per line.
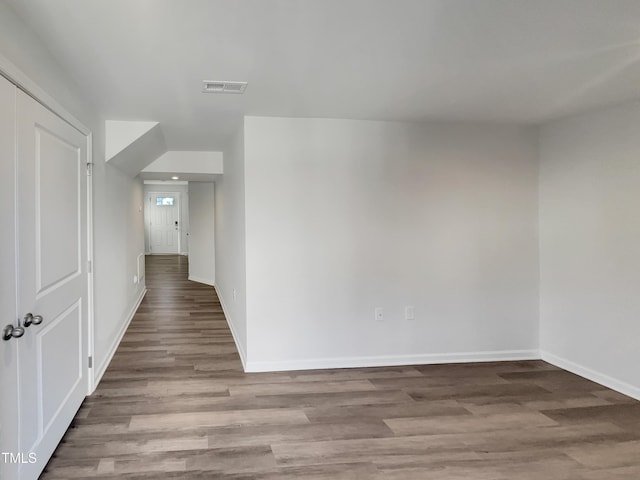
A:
(164, 223)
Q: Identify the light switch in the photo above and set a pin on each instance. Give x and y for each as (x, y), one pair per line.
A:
(409, 313)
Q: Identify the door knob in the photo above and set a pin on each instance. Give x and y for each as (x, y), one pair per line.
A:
(32, 319)
(7, 332)
(10, 332)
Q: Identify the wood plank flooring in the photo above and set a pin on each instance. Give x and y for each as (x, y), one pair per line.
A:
(176, 404)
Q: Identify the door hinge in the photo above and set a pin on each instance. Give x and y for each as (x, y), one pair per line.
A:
(90, 362)
(89, 169)
(89, 267)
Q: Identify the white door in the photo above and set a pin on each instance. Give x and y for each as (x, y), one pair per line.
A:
(164, 222)
(52, 278)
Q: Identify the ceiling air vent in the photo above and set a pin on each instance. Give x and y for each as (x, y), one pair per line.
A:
(216, 86)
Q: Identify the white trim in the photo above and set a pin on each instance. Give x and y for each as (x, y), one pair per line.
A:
(202, 280)
(391, 360)
(179, 195)
(241, 352)
(12, 73)
(90, 274)
(16, 267)
(116, 342)
(593, 375)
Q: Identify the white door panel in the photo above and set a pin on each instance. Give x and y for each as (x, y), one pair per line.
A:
(57, 209)
(52, 277)
(59, 331)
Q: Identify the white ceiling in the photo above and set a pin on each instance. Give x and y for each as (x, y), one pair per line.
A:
(522, 61)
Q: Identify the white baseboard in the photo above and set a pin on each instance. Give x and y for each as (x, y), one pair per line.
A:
(241, 352)
(114, 346)
(598, 377)
(391, 360)
(206, 281)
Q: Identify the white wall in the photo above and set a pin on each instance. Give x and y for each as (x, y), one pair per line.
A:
(230, 240)
(118, 240)
(183, 191)
(345, 216)
(202, 253)
(188, 162)
(590, 245)
(118, 232)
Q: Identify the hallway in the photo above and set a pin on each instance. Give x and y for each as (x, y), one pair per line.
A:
(172, 360)
(175, 403)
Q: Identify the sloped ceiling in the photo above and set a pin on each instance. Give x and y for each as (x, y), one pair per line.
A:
(142, 151)
(119, 135)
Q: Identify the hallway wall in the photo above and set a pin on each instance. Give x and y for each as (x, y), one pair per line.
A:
(202, 266)
(230, 251)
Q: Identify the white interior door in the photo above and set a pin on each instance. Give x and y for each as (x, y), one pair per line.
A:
(164, 223)
(52, 277)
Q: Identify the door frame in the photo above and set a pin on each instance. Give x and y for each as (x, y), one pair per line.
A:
(14, 75)
(178, 195)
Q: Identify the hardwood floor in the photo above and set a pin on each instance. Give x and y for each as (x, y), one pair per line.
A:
(175, 403)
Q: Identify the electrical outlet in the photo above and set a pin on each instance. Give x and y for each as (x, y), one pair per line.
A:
(409, 313)
(135, 279)
(235, 294)
(379, 314)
